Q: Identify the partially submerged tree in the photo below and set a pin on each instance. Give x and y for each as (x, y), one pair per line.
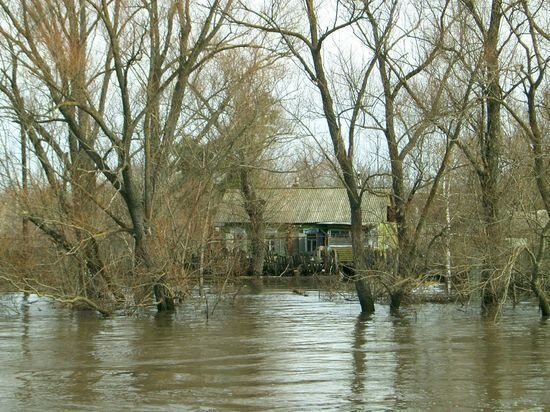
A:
(484, 28)
(255, 124)
(414, 101)
(107, 83)
(531, 112)
(385, 92)
(307, 45)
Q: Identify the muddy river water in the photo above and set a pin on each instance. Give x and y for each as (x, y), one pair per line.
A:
(273, 351)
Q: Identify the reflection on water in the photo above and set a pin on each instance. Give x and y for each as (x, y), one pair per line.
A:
(273, 351)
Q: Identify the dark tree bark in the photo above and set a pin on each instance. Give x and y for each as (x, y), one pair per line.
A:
(490, 143)
(362, 287)
(345, 160)
(255, 207)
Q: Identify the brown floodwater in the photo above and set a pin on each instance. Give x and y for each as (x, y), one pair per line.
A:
(273, 350)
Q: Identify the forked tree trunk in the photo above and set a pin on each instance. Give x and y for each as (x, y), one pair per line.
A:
(540, 167)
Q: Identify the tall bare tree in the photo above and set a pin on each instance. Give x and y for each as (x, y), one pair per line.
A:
(530, 76)
(414, 102)
(307, 43)
(115, 75)
(248, 130)
(256, 124)
(484, 26)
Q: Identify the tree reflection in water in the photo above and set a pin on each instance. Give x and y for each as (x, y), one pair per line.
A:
(274, 350)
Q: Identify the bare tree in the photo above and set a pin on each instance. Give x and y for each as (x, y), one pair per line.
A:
(253, 127)
(308, 45)
(530, 77)
(484, 25)
(115, 75)
(414, 104)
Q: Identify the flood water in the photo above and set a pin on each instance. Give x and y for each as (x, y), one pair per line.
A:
(273, 351)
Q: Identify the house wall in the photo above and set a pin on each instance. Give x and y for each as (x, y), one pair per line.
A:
(293, 240)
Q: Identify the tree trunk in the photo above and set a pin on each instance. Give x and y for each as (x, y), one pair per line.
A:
(492, 290)
(143, 258)
(490, 153)
(344, 158)
(396, 296)
(447, 238)
(536, 284)
(405, 253)
(541, 178)
(254, 207)
(362, 287)
(544, 302)
(257, 255)
(164, 301)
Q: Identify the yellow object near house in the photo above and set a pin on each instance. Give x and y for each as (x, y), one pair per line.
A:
(343, 254)
(387, 236)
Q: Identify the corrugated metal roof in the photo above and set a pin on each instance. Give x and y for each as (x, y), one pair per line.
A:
(297, 205)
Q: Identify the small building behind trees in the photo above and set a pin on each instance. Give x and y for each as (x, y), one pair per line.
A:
(305, 224)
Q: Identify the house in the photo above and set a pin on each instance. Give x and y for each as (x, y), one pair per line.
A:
(306, 221)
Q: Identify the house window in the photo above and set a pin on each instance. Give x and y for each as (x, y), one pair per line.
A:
(271, 246)
(274, 243)
(311, 242)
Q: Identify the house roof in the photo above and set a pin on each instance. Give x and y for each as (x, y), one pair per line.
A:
(299, 205)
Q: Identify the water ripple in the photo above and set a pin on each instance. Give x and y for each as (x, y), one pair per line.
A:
(273, 351)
